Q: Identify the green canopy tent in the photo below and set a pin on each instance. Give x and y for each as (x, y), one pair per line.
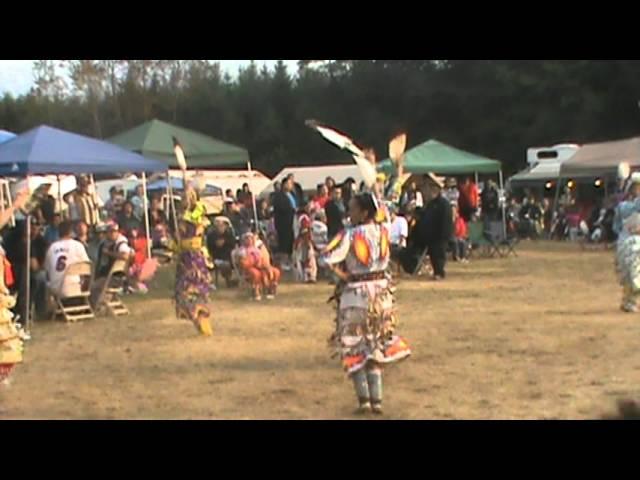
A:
(436, 157)
(153, 139)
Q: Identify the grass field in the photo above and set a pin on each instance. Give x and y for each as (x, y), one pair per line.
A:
(533, 337)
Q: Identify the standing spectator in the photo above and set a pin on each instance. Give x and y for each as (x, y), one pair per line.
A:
(469, 200)
(336, 213)
(85, 202)
(460, 237)
(296, 189)
(412, 195)
(277, 187)
(245, 196)
(284, 208)
(229, 194)
(264, 212)
(60, 255)
(51, 233)
(82, 234)
(113, 206)
(348, 190)
(322, 196)
(137, 200)
(490, 202)
(329, 183)
(73, 212)
(451, 192)
(435, 227)
(46, 206)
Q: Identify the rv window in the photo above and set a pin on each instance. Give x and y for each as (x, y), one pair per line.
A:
(547, 154)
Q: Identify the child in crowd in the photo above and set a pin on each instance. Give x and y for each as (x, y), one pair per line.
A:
(461, 237)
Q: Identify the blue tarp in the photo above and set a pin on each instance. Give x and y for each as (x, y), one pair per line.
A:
(47, 150)
(4, 136)
(176, 184)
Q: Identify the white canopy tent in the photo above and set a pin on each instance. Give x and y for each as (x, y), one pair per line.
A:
(547, 170)
(310, 177)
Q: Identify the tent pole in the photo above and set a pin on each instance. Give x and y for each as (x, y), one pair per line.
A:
(253, 199)
(476, 178)
(146, 213)
(2, 197)
(27, 321)
(172, 206)
(555, 201)
(10, 203)
(502, 201)
(59, 195)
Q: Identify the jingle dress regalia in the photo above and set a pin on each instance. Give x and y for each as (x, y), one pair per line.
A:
(10, 336)
(193, 277)
(366, 318)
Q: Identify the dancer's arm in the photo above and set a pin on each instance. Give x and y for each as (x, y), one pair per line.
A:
(18, 203)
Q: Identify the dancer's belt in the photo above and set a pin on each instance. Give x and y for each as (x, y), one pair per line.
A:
(367, 277)
(191, 244)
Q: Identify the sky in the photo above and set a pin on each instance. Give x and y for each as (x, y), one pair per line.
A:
(16, 76)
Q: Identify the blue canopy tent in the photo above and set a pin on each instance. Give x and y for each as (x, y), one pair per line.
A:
(4, 136)
(49, 151)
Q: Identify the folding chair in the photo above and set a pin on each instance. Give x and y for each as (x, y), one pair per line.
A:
(477, 239)
(504, 245)
(76, 306)
(423, 263)
(111, 295)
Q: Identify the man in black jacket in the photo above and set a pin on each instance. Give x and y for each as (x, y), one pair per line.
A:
(335, 211)
(433, 230)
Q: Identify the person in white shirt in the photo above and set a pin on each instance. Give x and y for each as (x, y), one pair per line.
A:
(399, 229)
(62, 253)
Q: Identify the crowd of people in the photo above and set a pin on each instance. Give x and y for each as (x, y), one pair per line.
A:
(83, 231)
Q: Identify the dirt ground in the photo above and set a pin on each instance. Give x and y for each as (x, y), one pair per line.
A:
(534, 337)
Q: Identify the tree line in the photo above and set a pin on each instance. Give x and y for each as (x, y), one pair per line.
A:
(495, 108)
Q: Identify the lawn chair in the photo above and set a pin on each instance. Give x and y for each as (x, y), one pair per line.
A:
(111, 296)
(500, 244)
(423, 266)
(76, 306)
(478, 240)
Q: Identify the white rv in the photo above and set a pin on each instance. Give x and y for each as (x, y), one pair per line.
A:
(556, 154)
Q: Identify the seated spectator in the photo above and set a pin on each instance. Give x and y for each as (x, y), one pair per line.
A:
(461, 237)
(62, 253)
(115, 246)
(156, 213)
(254, 262)
(17, 254)
(398, 233)
(229, 195)
(221, 243)
(127, 221)
(51, 231)
(239, 216)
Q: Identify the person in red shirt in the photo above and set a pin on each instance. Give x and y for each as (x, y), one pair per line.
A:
(468, 201)
(322, 196)
(461, 235)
